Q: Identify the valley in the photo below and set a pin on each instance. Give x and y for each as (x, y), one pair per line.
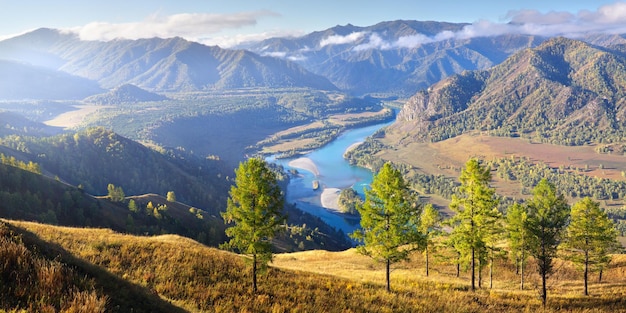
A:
(118, 161)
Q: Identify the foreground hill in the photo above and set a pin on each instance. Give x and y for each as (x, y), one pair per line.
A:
(156, 64)
(564, 91)
(96, 158)
(187, 276)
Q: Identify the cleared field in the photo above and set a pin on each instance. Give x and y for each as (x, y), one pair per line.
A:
(74, 118)
(448, 156)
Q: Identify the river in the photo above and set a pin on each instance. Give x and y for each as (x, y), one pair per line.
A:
(333, 173)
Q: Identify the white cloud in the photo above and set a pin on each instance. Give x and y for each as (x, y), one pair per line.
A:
(610, 19)
(227, 41)
(340, 40)
(192, 26)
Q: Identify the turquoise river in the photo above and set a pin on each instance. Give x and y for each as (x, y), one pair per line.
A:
(333, 173)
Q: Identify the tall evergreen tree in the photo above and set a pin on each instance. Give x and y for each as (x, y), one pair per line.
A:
(548, 214)
(590, 237)
(389, 220)
(476, 214)
(254, 210)
(516, 217)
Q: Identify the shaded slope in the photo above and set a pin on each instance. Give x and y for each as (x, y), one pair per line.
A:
(24, 81)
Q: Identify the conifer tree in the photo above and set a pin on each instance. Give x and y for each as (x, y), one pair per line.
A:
(389, 220)
(590, 237)
(254, 211)
(516, 217)
(548, 214)
(476, 214)
(429, 227)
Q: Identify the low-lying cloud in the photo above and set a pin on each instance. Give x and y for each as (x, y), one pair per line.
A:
(340, 40)
(608, 19)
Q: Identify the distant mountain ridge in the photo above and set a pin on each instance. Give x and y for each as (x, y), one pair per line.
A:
(173, 64)
(390, 59)
(564, 91)
(396, 57)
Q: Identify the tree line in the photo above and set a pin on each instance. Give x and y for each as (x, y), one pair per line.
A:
(394, 224)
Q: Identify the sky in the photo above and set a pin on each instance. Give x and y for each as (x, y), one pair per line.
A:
(229, 22)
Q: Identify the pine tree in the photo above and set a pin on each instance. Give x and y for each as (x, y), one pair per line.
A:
(254, 210)
(476, 215)
(590, 237)
(548, 214)
(389, 220)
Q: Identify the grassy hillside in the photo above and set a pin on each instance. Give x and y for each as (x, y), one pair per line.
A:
(187, 276)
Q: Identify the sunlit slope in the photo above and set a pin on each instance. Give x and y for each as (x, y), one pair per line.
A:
(196, 278)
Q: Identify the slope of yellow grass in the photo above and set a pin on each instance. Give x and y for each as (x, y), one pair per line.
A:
(191, 277)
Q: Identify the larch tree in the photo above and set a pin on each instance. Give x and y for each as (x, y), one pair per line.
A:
(590, 237)
(476, 214)
(429, 228)
(516, 217)
(548, 214)
(389, 220)
(254, 213)
(171, 196)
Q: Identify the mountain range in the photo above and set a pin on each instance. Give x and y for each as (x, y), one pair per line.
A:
(395, 58)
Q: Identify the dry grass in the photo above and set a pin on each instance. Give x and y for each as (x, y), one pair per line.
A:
(195, 278)
(448, 156)
(30, 282)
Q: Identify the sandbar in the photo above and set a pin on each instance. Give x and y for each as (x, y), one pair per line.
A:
(305, 164)
(330, 198)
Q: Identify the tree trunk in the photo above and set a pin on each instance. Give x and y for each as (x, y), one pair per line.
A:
(426, 260)
(491, 273)
(521, 268)
(480, 274)
(544, 290)
(254, 288)
(473, 265)
(586, 273)
(388, 282)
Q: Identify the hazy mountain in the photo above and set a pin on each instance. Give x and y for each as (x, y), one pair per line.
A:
(125, 94)
(397, 57)
(564, 91)
(157, 64)
(15, 124)
(24, 81)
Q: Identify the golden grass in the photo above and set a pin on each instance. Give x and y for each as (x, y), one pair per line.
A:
(192, 277)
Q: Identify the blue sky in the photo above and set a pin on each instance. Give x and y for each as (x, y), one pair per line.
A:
(227, 22)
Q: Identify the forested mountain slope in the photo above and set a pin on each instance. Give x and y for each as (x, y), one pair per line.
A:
(564, 91)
